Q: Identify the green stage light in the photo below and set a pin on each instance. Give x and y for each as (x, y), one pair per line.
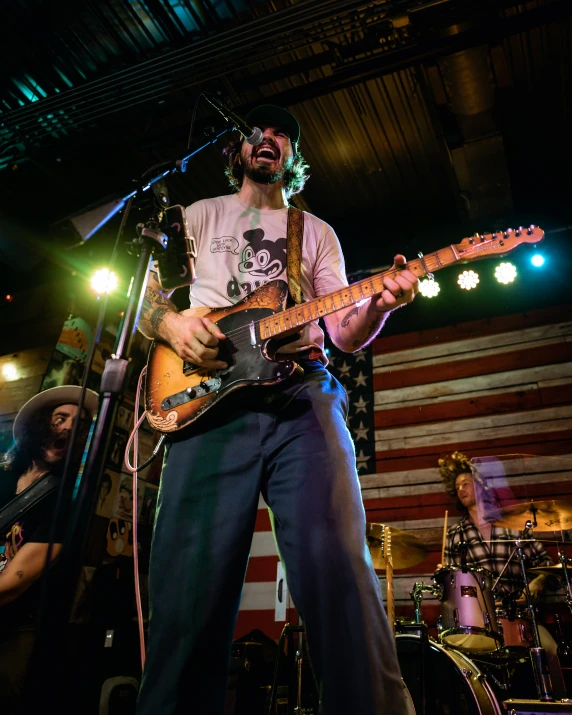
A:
(104, 281)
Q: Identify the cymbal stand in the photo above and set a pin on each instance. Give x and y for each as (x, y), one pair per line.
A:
(564, 563)
(537, 653)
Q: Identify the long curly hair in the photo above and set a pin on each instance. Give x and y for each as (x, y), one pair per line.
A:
(450, 467)
(37, 434)
(458, 463)
(295, 176)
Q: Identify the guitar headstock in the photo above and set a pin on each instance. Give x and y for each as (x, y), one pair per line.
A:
(386, 547)
(484, 245)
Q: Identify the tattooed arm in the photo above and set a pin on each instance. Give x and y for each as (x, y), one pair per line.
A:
(355, 327)
(156, 305)
(25, 568)
(192, 338)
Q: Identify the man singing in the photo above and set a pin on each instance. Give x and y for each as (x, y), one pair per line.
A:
(289, 443)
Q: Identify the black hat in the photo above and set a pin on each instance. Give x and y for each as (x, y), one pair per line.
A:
(271, 114)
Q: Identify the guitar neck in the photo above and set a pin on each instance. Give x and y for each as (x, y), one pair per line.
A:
(305, 313)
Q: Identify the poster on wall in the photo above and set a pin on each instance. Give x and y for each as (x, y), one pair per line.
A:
(146, 500)
(116, 455)
(68, 359)
(62, 370)
(124, 417)
(107, 493)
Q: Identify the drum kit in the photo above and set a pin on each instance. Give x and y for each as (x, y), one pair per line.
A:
(488, 653)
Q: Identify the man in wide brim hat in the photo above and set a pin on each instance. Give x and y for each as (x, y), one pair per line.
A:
(42, 432)
(54, 397)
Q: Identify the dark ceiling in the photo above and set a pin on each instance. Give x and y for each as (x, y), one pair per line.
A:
(422, 121)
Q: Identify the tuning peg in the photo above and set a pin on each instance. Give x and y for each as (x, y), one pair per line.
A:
(530, 229)
(518, 231)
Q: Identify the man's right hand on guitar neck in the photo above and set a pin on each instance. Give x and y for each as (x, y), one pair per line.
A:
(193, 339)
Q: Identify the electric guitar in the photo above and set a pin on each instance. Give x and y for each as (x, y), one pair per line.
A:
(177, 392)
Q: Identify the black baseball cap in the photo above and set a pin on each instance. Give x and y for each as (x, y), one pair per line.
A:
(271, 114)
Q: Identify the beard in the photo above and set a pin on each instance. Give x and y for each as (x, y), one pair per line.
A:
(263, 174)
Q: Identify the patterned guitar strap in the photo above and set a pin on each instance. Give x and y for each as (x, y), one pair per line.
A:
(294, 236)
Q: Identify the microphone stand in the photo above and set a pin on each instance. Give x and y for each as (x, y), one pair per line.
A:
(537, 653)
(42, 675)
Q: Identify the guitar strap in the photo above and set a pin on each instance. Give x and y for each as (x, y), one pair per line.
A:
(294, 236)
(38, 493)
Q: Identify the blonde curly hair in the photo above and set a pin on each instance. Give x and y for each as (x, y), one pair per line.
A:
(450, 467)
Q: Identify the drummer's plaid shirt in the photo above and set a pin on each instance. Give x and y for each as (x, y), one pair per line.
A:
(494, 556)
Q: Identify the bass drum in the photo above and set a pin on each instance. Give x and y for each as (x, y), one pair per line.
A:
(446, 679)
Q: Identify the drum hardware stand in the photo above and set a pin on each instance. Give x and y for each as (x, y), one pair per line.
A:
(564, 562)
(295, 681)
(537, 653)
(419, 588)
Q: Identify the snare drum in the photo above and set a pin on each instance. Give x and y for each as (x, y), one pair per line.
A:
(468, 618)
(516, 631)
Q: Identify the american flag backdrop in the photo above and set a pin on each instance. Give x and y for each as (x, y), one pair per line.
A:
(500, 386)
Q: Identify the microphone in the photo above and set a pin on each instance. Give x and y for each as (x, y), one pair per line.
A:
(252, 135)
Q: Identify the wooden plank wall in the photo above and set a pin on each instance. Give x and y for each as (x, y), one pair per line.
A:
(494, 387)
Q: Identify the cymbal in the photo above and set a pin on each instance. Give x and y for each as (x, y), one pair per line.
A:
(555, 570)
(551, 514)
(406, 550)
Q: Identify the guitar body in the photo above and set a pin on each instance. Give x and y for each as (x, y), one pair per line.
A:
(177, 393)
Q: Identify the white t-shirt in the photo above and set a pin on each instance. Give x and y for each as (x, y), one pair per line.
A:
(239, 248)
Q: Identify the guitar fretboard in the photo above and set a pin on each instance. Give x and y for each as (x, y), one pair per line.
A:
(305, 313)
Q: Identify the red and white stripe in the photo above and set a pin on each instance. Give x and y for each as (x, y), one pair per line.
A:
(501, 386)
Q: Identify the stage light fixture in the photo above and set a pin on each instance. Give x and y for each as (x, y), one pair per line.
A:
(104, 281)
(538, 260)
(468, 280)
(505, 273)
(428, 288)
(10, 371)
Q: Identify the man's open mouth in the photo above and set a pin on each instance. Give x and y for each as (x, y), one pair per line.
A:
(60, 443)
(267, 153)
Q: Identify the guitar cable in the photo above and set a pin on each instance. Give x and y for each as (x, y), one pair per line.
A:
(135, 469)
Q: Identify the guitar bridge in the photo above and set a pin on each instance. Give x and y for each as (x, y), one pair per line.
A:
(191, 393)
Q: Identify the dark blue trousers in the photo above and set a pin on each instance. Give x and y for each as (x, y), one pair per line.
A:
(293, 446)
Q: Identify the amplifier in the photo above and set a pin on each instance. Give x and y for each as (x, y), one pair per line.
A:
(537, 707)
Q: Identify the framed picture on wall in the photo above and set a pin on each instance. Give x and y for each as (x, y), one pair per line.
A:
(107, 494)
(124, 418)
(116, 453)
(62, 370)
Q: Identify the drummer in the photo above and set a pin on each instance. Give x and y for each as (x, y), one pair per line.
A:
(488, 546)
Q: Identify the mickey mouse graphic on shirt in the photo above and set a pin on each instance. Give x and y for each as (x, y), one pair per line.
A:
(261, 258)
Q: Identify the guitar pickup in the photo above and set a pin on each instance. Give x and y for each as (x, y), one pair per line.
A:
(191, 393)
